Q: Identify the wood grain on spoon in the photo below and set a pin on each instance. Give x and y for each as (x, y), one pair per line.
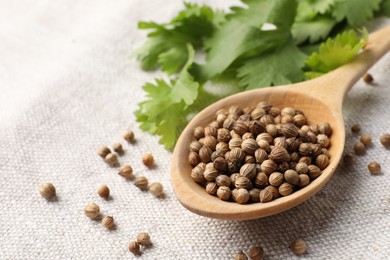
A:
(321, 101)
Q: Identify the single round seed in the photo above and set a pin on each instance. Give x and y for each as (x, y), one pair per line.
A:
(220, 164)
(261, 180)
(304, 180)
(103, 151)
(366, 139)
(156, 189)
(223, 180)
(92, 210)
(298, 247)
(240, 256)
(279, 154)
(374, 168)
(148, 160)
(268, 166)
(299, 120)
(248, 170)
(368, 78)
(285, 189)
(359, 148)
(197, 174)
(254, 195)
(322, 161)
(249, 146)
(141, 182)
(242, 196)
(243, 183)
(117, 147)
(260, 155)
(195, 146)
(209, 130)
(128, 136)
(108, 222)
(111, 159)
(223, 135)
(199, 132)
(385, 140)
(291, 177)
(356, 128)
(205, 154)
(104, 191)
(211, 188)
(47, 190)
(126, 171)
(323, 140)
(266, 195)
(314, 171)
(276, 179)
(210, 141)
(143, 239)
(193, 158)
(224, 193)
(134, 247)
(274, 191)
(325, 128)
(349, 159)
(301, 168)
(256, 253)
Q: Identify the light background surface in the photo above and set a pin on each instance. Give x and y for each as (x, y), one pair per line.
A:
(68, 84)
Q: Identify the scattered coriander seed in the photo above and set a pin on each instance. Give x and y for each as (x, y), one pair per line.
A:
(359, 148)
(385, 140)
(349, 159)
(141, 182)
(92, 210)
(111, 159)
(240, 256)
(108, 222)
(148, 160)
(103, 151)
(134, 247)
(256, 253)
(104, 191)
(366, 139)
(368, 78)
(128, 135)
(156, 189)
(356, 128)
(374, 168)
(126, 171)
(143, 239)
(298, 247)
(47, 190)
(117, 147)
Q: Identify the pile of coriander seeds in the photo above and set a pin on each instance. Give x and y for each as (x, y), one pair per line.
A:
(259, 154)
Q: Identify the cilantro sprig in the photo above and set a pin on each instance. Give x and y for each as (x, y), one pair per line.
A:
(265, 43)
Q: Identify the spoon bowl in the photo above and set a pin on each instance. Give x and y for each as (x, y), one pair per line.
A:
(319, 99)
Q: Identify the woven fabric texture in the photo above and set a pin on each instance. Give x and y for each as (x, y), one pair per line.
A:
(68, 85)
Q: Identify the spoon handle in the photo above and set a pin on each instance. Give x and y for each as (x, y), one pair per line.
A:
(334, 85)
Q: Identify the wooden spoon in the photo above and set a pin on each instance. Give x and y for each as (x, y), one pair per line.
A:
(320, 99)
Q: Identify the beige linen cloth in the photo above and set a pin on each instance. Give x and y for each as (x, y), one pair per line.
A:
(68, 85)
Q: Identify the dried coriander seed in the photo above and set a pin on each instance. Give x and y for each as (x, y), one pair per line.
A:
(368, 78)
(266, 195)
(254, 195)
(223, 180)
(240, 256)
(279, 154)
(193, 158)
(47, 190)
(304, 180)
(242, 196)
(366, 139)
(256, 253)
(268, 166)
(108, 222)
(111, 159)
(156, 189)
(243, 183)
(126, 171)
(322, 161)
(359, 148)
(248, 170)
(92, 210)
(385, 140)
(291, 177)
(141, 182)
(118, 148)
(285, 189)
(356, 128)
(349, 159)
(301, 168)
(211, 188)
(104, 191)
(261, 180)
(143, 239)
(298, 247)
(205, 154)
(195, 146)
(314, 171)
(276, 179)
(134, 247)
(103, 151)
(274, 191)
(374, 168)
(224, 193)
(148, 160)
(128, 135)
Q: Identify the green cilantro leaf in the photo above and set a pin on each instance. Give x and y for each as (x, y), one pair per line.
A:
(241, 36)
(280, 67)
(334, 53)
(357, 12)
(312, 30)
(167, 42)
